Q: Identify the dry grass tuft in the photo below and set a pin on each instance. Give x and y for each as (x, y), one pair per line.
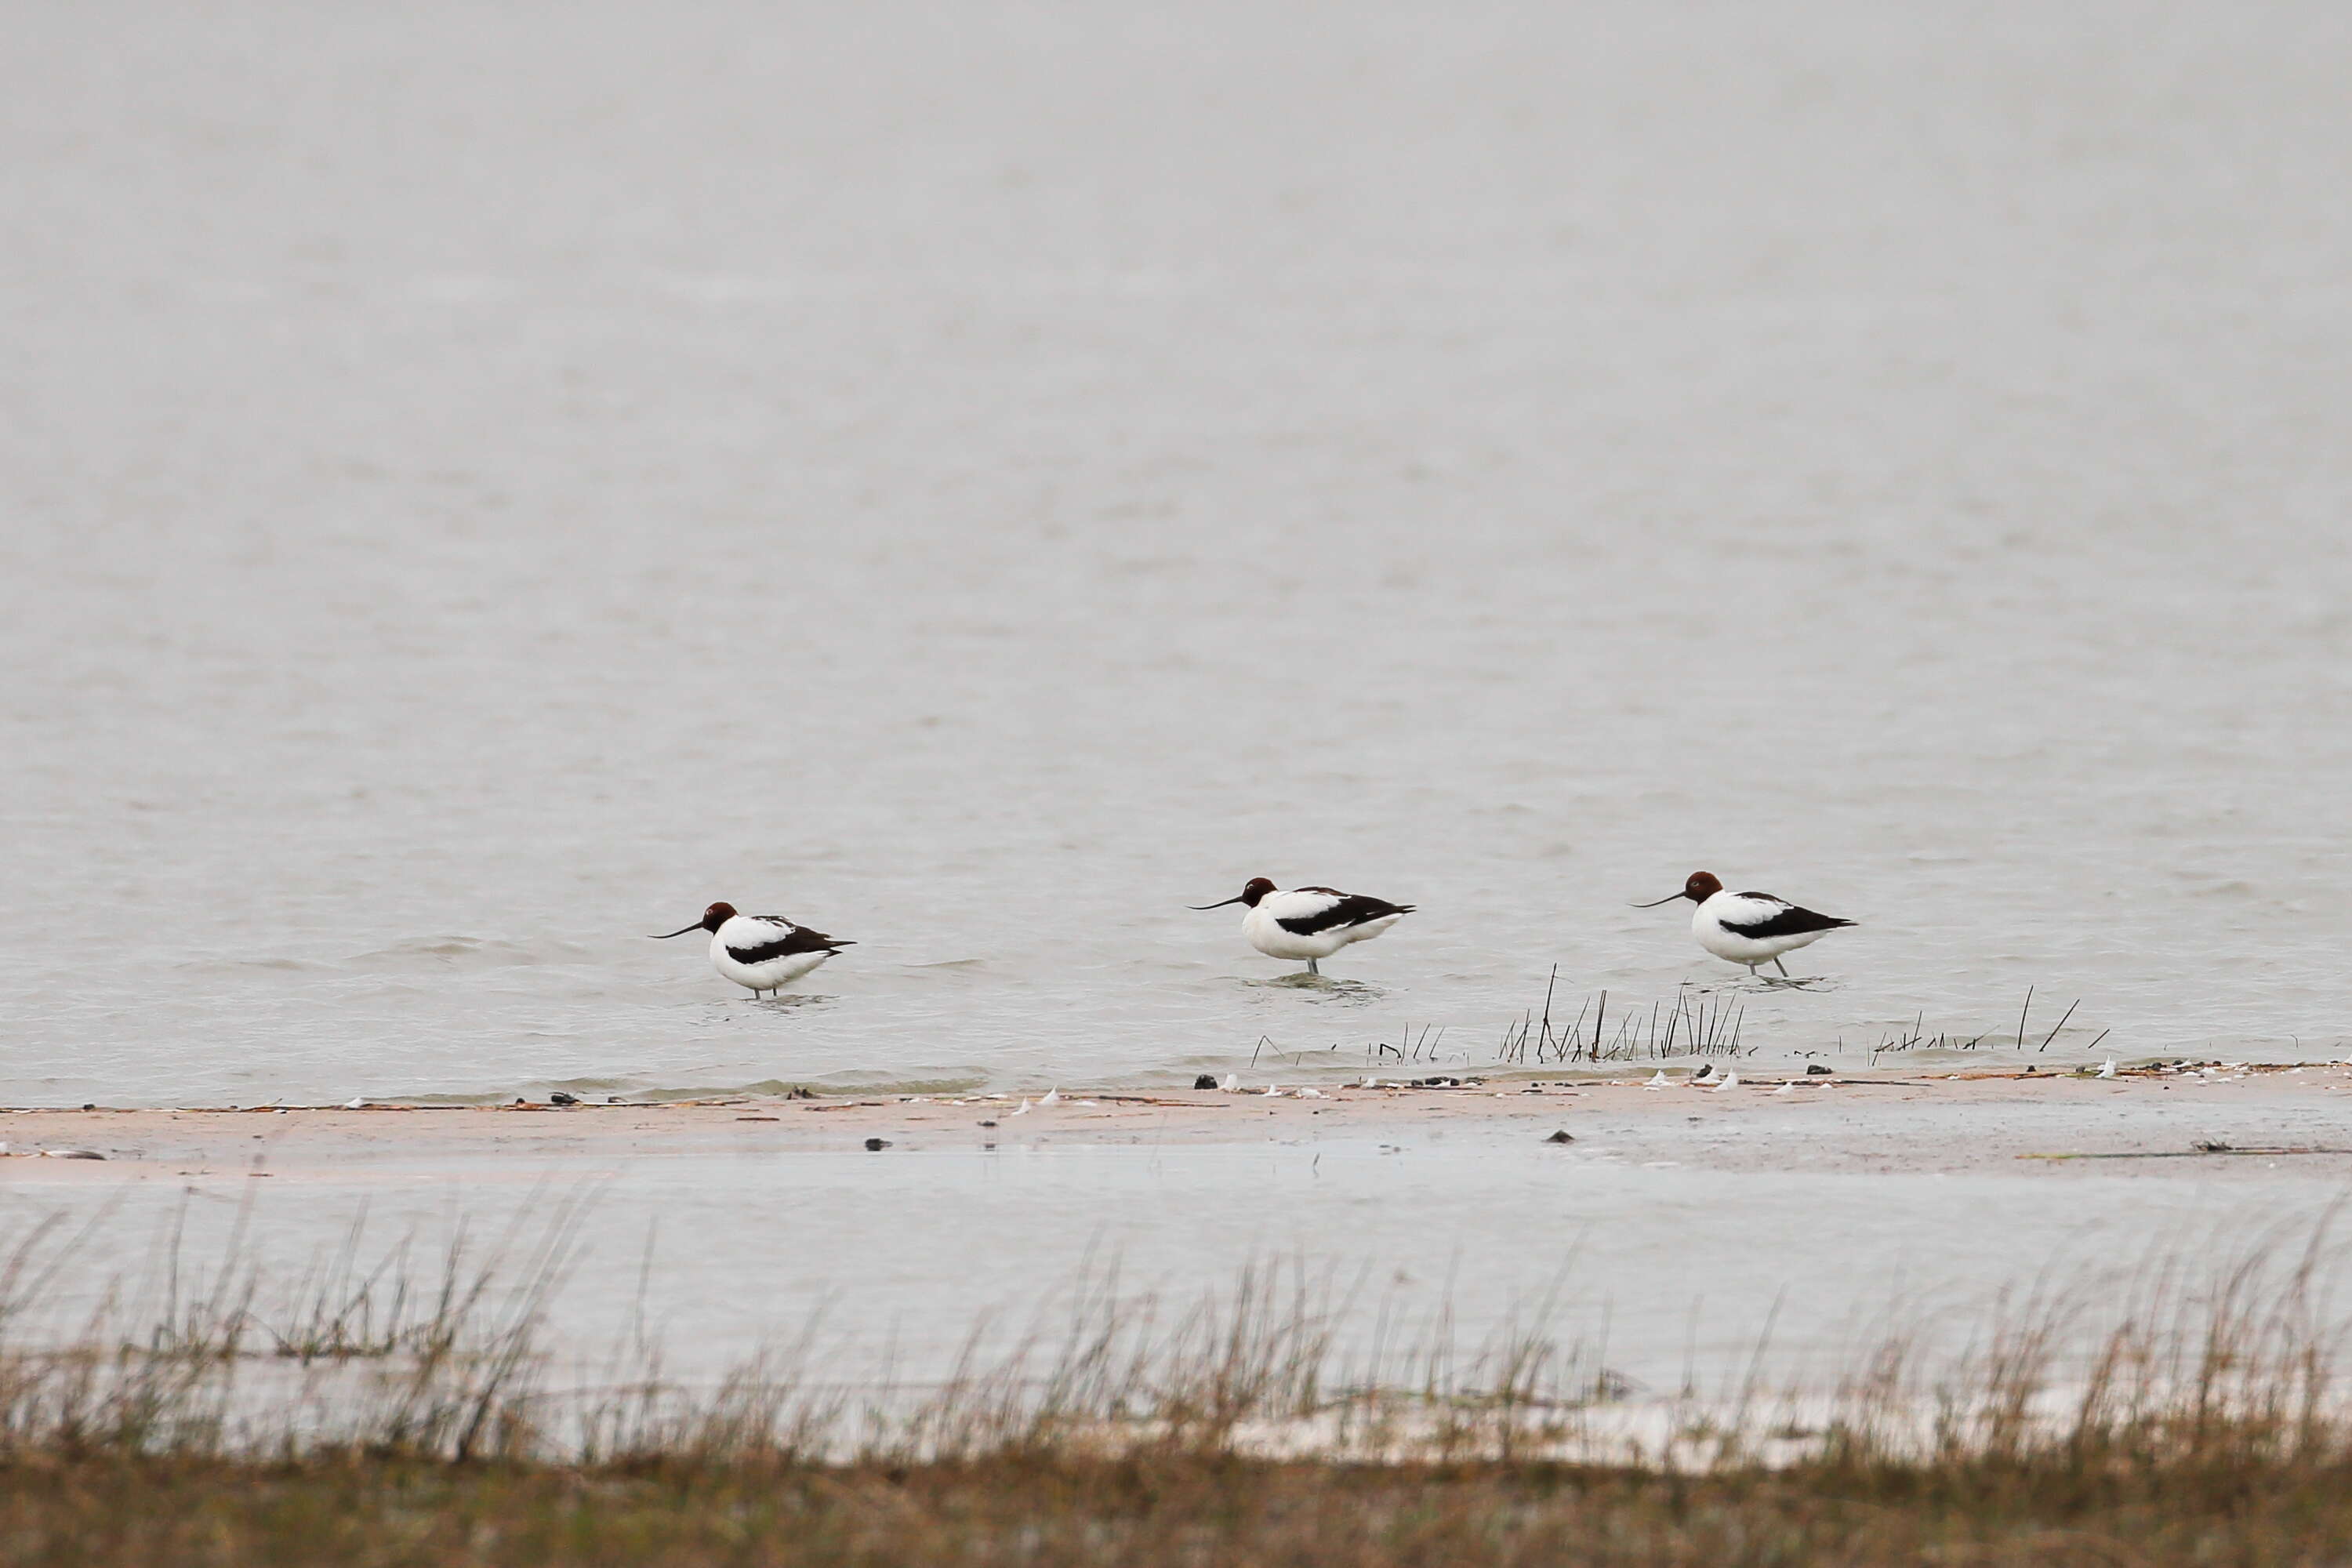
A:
(1163, 1508)
(2191, 1417)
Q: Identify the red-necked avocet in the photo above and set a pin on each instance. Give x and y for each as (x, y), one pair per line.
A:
(1311, 923)
(760, 953)
(1748, 928)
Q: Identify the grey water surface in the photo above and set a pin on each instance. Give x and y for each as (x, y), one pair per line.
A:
(890, 1266)
(478, 484)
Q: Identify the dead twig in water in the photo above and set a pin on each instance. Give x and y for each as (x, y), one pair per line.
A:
(2062, 1023)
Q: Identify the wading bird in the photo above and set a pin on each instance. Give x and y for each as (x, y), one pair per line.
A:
(1311, 923)
(1748, 928)
(760, 953)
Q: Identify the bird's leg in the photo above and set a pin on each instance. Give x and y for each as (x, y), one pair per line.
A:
(1782, 968)
(1312, 968)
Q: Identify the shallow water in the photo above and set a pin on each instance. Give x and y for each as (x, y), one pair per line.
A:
(887, 1268)
(480, 487)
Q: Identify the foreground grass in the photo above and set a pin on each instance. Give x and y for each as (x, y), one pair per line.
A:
(1167, 1510)
(2192, 1414)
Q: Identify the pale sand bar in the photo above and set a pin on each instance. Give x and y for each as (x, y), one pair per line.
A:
(1890, 1123)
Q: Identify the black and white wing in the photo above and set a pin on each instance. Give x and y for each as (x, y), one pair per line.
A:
(1758, 916)
(780, 938)
(1309, 912)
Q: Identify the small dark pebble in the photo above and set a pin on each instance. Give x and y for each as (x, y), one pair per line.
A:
(878, 1144)
(1815, 1070)
(801, 1094)
(1561, 1136)
(988, 1124)
(1206, 1081)
(614, 1099)
(520, 1100)
(2211, 1148)
(560, 1098)
(90, 1107)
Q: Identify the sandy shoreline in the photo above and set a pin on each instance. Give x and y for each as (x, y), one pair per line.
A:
(1670, 1227)
(2166, 1119)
